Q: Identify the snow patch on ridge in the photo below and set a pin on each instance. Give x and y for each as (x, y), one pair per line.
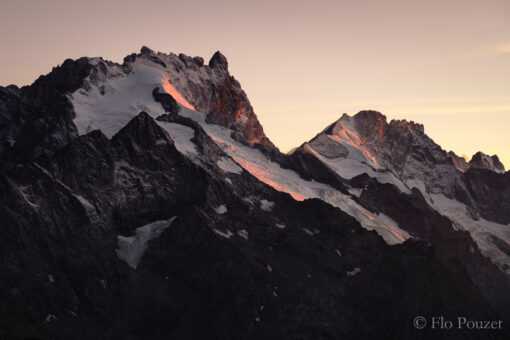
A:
(382, 224)
(355, 191)
(356, 163)
(25, 193)
(221, 209)
(354, 271)
(131, 248)
(228, 165)
(266, 205)
(243, 233)
(182, 136)
(89, 208)
(481, 230)
(228, 234)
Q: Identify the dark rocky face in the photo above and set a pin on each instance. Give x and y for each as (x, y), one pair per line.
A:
(482, 161)
(37, 119)
(492, 193)
(240, 260)
(63, 214)
(218, 61)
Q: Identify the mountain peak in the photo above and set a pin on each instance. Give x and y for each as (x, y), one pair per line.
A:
(218, 60)
(370, 124)
(208, 89)
(483, 161)
(146, 51)
(143, 131)
(459, 162)
(369, 115)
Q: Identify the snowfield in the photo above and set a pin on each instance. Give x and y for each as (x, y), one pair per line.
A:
(112, 103)
(228, 165)
(182, 136)
(285, 180)
(482, 231)
(115, 99)
(131, 248)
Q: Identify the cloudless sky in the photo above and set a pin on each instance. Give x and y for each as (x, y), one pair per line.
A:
(443, 63)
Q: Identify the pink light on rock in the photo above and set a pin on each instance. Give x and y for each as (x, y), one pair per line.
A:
(165, 82)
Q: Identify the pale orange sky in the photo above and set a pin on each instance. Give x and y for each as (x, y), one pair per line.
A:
(442, 63)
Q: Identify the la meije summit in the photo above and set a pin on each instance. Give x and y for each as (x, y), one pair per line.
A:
(143, 201)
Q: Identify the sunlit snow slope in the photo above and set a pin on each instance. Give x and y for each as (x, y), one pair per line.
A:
(110, 103)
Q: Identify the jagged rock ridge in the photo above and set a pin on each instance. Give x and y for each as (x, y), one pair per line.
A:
(239, 257)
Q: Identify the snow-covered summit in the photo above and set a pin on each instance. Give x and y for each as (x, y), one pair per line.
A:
(401, 154)
(112, 94)
(368, 143)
